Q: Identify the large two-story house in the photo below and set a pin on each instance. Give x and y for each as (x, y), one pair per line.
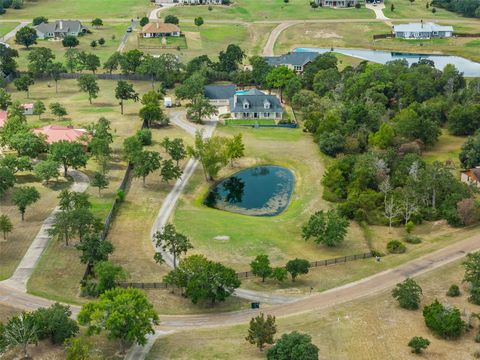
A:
(255, 104)
(204, 2)
(59, 29)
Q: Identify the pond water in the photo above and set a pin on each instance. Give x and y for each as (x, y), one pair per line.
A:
(256, 191)
(468, 67)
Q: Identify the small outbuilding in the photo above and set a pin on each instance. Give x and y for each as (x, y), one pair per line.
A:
(167, 102)
(27, 109)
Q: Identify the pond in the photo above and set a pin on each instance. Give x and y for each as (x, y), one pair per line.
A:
(256, 191)
(468, 67)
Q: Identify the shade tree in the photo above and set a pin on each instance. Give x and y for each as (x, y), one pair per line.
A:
(261, 330)
(23, 197)
(170, 241)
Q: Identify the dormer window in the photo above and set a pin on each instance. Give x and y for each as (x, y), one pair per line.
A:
(266, 104)
(246, 105)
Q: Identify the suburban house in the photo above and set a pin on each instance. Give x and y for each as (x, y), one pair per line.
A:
(27, 109)
(3, 118)
(337, 3)
(203, 2)
(159, 29)
(471, 176)
(255, 104)
(422, 31)
(55, 133)
(219, 95)
(59, 29)
(294, 60)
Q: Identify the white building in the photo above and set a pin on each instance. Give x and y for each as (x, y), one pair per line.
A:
(422, 31)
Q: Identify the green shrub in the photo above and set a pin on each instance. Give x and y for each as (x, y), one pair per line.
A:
(376, 253)
(412, 239)
(145, 136)
(444, 321)
(408, 293)
(409, 227)
(453, 290)
(418, 343)
(396, 247)
(54, 323)
(120, 195)
(474, 297)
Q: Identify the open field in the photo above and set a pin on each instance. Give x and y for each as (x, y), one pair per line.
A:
(355, 330)
(278, 236)
(404, 9)
(111, 32)
(6, 27)
(248, 10)
(447, 149)
(85, 9)
(61, 264)
(209, 39)
(361, 36)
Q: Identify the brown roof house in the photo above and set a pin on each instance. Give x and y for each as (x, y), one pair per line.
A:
(159, 29)
(471, 176)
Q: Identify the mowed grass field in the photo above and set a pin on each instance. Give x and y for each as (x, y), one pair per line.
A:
(374, 327)
(278, 236)
(404, 9)
(251, 10)
(358, 35)
(208, 39)
(111, 32)
(60, 265)
(84, 9)
(6, 27)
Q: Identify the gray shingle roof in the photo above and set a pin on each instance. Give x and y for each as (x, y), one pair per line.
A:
(256, 100)
(60, 26)
(421, 27)
(294, 58)
(219, 92)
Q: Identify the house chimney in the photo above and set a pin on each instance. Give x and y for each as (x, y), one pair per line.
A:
(158, 24)
(234, 100)
(421, 22)
(60, 24)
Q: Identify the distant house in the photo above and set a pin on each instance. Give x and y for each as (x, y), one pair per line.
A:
(219, 95)
(55, 133)
(59, 29)
(159, 29)
(203, 2)
(337, 3)
(255, 104)
(3, 118)
(27, 109)
(471, 177)
(294, 60)
(422, 31)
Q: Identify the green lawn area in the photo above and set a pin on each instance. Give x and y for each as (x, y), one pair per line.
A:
(404, 9)
(156, 44)
(374, 327)
(360, 35)
(6, 27)
(278, 236)
(84, 9)
(249, 122)
(208, 39)
(111, 32)
(250, 10)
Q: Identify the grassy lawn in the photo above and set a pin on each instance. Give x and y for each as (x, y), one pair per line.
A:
(18, 241)
(6, 27)
(354, 330)
(361, 36)
(278, 236)
(447, 149)
(208, 39)
(85, 9)
(404, 9)
(248, 10)
(60, 264)
(158, 44)
(111, 32)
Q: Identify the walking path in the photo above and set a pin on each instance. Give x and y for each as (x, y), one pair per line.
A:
(140, 352)
(27, 265)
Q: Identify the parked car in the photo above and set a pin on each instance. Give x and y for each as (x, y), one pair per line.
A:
(129, 29)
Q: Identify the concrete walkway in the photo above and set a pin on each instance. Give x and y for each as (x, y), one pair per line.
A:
(12, 33)
(140, 352)
(28, 263)
(379, 15)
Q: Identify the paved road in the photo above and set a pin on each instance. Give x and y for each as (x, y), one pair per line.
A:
(122, 44)
(268, 50)
(28, 263)
(155, 12)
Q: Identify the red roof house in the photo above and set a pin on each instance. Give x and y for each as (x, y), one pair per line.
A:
(55, 133)
(3, 118)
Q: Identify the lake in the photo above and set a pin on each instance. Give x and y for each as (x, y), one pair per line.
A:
(468, 67)
(256, 191)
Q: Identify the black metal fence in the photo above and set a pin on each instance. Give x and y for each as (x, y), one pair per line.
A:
(249, 274)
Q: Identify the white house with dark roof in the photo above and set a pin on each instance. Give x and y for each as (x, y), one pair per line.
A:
(59, 29)
(295, 60)
(255, 104)
(422, 31)
(337, 3)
